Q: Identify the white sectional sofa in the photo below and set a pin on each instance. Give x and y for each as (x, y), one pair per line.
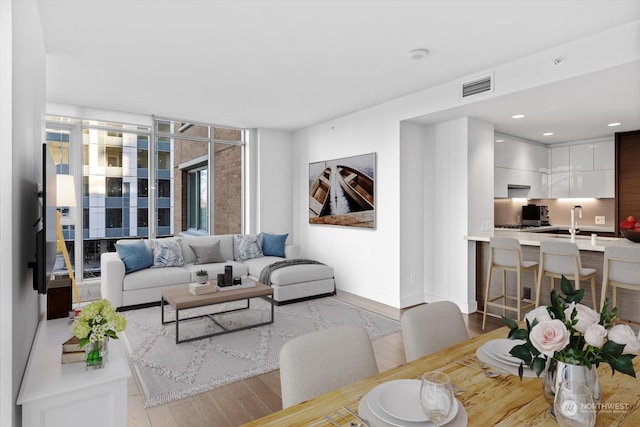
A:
(144, 286)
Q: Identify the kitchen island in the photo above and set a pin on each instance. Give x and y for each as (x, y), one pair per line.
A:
(592, 257)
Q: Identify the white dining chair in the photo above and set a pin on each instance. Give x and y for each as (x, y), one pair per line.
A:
(321, 361)
(621, 270)
(559, 259)
(431, 327)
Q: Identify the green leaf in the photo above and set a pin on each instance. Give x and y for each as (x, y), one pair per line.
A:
(512, 324)
(521, 352)
(565, 286)
(538, 365)
(624, 364)
(576, 296)
(612, 349)
(519, 334)
(520, 371)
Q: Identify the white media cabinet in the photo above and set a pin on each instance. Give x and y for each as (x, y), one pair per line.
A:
(53, 394)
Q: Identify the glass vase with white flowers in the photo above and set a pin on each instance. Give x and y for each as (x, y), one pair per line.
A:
(574, 334)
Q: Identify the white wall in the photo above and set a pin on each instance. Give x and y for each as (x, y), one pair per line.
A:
(365, 261)
(22, 65)
(368, 263)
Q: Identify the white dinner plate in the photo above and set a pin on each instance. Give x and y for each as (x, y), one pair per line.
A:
(400, 406)
(499, 349)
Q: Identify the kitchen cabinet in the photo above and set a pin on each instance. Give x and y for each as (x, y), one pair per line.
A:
(521, 164)
(583, 170)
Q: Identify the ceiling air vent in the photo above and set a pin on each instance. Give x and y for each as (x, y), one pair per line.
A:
(484, 84)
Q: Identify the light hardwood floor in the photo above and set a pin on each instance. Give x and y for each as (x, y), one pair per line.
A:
(246, 400)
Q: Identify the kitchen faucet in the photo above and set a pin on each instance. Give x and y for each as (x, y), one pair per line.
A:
(574, 222)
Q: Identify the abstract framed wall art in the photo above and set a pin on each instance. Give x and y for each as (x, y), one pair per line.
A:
(342, 191)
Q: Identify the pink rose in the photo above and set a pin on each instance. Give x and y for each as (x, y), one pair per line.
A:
(586, 316)
(539, 313)
(624, 335)
(549, 336)
(595, 335)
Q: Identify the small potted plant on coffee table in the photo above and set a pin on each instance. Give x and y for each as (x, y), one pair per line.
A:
(202, 276)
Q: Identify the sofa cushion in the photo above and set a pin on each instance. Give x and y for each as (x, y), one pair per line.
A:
(167, 252)
(248, 247)
(135, 255)
(155, 278)
(226, 246)
(273, 244)
(206, 254)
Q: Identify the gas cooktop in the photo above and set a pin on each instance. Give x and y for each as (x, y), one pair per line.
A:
(515, 226)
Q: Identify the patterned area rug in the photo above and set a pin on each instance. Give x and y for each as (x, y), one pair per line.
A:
(169, 372)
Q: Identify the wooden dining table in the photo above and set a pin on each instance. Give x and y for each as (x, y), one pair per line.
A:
(502, 401)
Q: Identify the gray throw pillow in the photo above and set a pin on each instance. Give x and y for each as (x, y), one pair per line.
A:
(206, 254)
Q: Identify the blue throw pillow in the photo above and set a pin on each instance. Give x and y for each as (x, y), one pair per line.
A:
(273, 244)
(135, 256)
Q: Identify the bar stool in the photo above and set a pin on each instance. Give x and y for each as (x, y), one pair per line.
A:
(506, 255)
(621, 270)
(559, 259)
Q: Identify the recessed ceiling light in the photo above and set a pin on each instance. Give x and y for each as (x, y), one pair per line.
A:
(499, 140)
(517, 116)
(614, 124)
(547, 134)
(417, 54)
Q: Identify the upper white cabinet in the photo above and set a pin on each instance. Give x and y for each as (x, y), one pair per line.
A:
(522, 164)
(578, 170)
(604, 155)
(583, 170)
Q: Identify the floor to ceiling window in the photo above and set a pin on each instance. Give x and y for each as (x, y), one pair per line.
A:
(189, 180)
(204, 164)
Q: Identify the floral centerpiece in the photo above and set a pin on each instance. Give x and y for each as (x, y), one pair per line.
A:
(96, 323)
(574, 334)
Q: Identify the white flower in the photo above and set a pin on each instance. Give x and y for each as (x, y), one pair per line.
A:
(585, 316)
(549, 336)
(595, 335)
(624, 335)
(541, 313)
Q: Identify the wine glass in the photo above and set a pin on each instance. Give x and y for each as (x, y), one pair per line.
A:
(574, 406)
(436, 396)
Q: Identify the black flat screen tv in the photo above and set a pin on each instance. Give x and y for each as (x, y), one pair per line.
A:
(46, 237)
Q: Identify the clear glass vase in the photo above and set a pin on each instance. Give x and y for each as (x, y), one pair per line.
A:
(559, 372)
(96, 354)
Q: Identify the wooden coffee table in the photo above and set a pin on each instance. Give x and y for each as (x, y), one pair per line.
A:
(182, 299)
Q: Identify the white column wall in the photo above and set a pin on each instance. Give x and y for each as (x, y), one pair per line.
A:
(22, 108)
(274, 187)
(416, 171)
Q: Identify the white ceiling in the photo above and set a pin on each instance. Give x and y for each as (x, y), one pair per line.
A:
(291, 64)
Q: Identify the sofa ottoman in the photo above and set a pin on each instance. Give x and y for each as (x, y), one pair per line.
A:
(294, 282)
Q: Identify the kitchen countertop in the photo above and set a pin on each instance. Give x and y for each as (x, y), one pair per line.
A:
(528, 238)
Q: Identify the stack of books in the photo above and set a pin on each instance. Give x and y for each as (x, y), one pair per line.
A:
(202, 288)
(71, 351)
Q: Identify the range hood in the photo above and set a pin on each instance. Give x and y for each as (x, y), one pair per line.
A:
(518, 190)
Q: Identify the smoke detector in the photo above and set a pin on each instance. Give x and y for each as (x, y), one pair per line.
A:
(417, 54)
